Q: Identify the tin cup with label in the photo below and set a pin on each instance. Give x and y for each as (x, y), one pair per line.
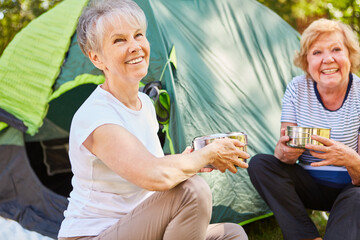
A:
(300, 136)
(200, 142)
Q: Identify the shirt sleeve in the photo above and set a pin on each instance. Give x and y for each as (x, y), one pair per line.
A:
(88, 119)
(288, 112)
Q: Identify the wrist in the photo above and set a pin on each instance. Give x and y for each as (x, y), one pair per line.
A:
(354, 161)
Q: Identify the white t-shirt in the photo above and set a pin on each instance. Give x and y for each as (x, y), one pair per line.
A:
(100, 197)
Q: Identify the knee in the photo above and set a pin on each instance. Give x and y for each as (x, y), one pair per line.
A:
(197, 183)
(258, 163)
(355, 192)
(197, 189)
(347, 198)
(226, 231)
(235, 231)
(351, 195)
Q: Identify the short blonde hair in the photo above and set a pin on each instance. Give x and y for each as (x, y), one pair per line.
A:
(320, 26)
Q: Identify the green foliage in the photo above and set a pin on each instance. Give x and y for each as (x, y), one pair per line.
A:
(16, 14)
(347, 11)
(284, 8)
(300, 13)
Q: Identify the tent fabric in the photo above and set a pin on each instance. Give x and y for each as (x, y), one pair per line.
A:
(75, 64)
(232, 63)
(234, 198)
(55, 156)
(77, 81)
(3, 125)
(11, 136)
(43, 45)
(20, 188)
(11, 120)
(232, 69)
(233, 66)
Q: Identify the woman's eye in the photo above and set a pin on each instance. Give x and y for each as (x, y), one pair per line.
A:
(119, 40)
(337, 49)
(139, 35)
(316, 52)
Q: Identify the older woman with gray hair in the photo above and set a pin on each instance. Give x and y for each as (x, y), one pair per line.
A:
(321, 177)
(123, 185)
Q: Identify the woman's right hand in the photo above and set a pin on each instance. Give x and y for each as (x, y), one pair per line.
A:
(284, 153)
(225, 154)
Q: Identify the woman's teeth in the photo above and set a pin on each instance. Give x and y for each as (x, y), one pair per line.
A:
(135, 60)
(328, 71)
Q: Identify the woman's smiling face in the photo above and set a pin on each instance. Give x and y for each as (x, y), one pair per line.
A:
(328, 61)
(125, 52)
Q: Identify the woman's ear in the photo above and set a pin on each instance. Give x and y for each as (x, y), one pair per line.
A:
(96, 60)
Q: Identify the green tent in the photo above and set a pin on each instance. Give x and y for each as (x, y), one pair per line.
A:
(223, 64)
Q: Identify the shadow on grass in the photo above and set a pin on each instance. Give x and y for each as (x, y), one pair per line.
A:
(268, 228)
(265, 229)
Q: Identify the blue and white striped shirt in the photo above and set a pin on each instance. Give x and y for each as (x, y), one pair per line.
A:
(302, 105)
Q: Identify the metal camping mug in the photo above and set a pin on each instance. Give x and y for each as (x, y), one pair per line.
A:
(299, 136)
(200, 142)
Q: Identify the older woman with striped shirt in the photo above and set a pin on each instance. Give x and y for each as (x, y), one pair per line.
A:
(318, 177)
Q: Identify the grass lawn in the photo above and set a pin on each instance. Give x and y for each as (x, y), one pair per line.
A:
(268, 229)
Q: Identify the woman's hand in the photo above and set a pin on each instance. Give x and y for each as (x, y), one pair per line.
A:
(226, 154)
(284, 153)
(333, 152)
(337, 154)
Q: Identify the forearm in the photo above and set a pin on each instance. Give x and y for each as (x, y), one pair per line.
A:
(223, 154)
(169, 171)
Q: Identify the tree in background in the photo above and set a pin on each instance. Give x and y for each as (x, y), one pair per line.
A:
(300, 13)
(16, 14)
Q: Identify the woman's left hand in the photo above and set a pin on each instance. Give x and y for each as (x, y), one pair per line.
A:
(333, 152)
(337, 154)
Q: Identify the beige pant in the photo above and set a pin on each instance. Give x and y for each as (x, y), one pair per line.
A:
(183, 212)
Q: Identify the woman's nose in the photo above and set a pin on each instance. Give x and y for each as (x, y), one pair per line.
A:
(328, 59)
(134, 46)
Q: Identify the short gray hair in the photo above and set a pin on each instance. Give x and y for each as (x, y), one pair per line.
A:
(95, 17)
